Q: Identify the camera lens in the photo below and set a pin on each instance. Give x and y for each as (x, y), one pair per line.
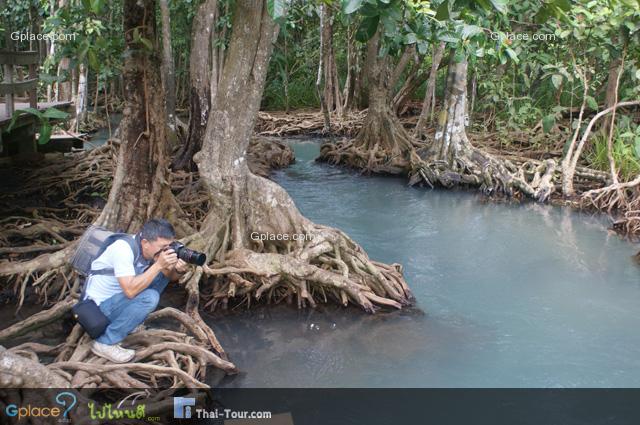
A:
(192, 257)
(198, 258)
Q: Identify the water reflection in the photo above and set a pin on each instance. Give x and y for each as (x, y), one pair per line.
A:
(508, 295)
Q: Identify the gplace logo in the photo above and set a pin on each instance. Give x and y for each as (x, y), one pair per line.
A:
(182, 407)
(66, 399)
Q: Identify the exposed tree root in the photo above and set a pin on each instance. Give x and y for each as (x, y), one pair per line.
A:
(618, 198)
(55, 203)
(164, 358)
(301, 122)
(265, 155)
(491, 174)
(270, 253)
(382, 146)
(326, 267)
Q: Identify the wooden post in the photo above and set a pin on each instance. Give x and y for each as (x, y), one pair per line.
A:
(8, 68)
(33, 93)
(8, 98)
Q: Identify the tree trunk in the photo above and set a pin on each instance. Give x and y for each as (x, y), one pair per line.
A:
(414, 80)
(324, 107)
(63, 92)
(451, 135)
(382, 145)
(427, 105)
(453, 160)
(331, 93)
(610, 96)
(348, 93)
(168, 70)
(81, 95)
(140, 188)
(243, 204)
(200, 69)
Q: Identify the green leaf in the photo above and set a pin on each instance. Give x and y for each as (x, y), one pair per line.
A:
(556, 79)
(470, 30)
(499, 5)
(422, 48)
(484, 4)
(448, 38)
(369, 11)
(146, 42)
(410, 38)
(45, 133)
(637, 146)
(592, 103)
(277, 8)
(55, 114)
(563, 5)
(367, 28)
(93, 60)
(442, 13)
(548, 122)
(96, 6)
(17, 113)
(351, 6)
(513, 55)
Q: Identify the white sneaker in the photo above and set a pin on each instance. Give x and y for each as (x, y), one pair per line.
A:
(114, 353)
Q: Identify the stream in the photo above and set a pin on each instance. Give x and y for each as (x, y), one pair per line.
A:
(507, 295)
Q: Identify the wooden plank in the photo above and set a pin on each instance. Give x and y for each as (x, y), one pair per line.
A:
(18, 58)
(18, 87)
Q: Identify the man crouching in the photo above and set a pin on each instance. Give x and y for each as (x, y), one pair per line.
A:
(133, 290)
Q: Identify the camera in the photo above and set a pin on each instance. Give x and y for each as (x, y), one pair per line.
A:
(188, 255)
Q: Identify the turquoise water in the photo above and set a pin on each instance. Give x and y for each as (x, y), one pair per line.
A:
(507, 295)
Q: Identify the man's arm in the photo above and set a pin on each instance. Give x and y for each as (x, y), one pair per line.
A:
(133, 285)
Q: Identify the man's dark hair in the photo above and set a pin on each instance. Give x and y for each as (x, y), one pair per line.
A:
(157, 228)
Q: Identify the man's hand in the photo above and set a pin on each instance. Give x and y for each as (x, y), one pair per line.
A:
(167, 260)
(181, 266)
(178, 270)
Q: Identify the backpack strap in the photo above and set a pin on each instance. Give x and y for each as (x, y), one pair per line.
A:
(134, 243)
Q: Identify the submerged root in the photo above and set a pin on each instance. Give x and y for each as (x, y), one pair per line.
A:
(382, 146)
(621, 198)
(491, 174)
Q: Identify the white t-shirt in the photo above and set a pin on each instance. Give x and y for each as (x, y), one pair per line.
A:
(119, 257)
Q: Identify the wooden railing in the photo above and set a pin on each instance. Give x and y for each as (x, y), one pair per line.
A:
(9, 87)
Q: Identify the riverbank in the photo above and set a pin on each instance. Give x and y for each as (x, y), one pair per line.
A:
(497, 286)
(518, 147)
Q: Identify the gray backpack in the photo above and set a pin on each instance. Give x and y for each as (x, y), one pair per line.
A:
(93, 243)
